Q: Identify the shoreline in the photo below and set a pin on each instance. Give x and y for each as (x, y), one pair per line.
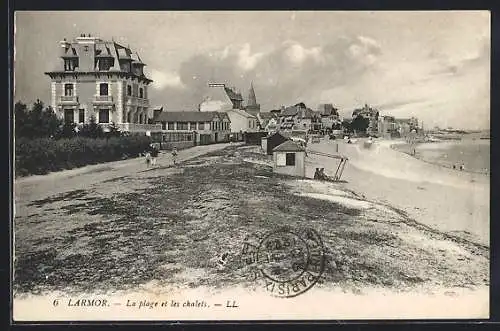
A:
(418, 157)
(452, 202)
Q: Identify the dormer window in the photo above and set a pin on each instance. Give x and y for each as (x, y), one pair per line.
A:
(105, 63)
(70, 64)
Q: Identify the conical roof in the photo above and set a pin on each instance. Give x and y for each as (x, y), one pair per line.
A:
(252, 100)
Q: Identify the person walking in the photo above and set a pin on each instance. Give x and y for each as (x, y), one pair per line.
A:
(147, 155)
(174, 155)
(154, 154)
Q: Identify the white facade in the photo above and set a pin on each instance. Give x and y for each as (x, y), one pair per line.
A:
(241, 121)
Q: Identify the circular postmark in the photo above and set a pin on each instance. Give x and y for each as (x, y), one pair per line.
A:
(288, 261)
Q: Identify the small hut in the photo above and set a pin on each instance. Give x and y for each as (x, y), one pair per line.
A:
(273, 140)
(289, 159)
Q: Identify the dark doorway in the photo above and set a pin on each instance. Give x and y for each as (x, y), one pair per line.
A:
(69, 116)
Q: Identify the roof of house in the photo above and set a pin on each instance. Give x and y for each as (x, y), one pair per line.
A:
(189, 116)
(96, 48)
(289, 146)
(232, 94)
(241, 112)
(297, 111)
(267, 115)
(276, 133)
(366, 110)
(327, 109)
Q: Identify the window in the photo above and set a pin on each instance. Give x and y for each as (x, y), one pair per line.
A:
(182, 126)
(129, 116)
(192, 126)
(163, 125)
(171, 126)
(104, 116)
(280, 159)
(105, 64)
(140, 118)
(81, 116)
(103, 89)
(201, 126)
(69, 65)
(129, 90)
(290, 159)
(141, 93)
(68, 90)
(250, 124)
(69, 116)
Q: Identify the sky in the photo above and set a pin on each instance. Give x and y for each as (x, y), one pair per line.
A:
(432, 65)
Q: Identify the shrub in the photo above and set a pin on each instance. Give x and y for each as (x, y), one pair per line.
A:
(43, 155)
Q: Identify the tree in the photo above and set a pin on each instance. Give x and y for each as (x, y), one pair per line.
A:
(20, 119)
(347, 125)
(114, 131)
(91, 129)
(67, 130)
(35, 123)
(360, 124)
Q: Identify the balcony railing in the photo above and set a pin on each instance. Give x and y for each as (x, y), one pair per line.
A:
(136, 101)
(138, 127)
(68, 99)
(103, 98)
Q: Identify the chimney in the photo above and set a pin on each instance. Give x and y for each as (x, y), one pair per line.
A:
(157, 112)
(64, 45)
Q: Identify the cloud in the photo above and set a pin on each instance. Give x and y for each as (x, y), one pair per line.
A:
(165, 79)
(439, 89)
(246, 60)
(297, 54)
(288, 73)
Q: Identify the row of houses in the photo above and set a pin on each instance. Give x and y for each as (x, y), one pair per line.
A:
(106, 80)
(386, 126)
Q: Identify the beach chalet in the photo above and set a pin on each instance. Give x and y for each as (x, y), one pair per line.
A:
(188, 128)
(289, 159)
(271, 141)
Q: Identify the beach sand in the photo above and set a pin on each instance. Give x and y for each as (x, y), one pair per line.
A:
(453, 202)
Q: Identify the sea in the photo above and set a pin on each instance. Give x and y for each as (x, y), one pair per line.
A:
(470, 151)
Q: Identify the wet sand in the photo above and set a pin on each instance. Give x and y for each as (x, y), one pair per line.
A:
(446, 200)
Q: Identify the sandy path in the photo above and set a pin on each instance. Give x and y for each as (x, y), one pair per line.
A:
(37, 187)
(444, 199)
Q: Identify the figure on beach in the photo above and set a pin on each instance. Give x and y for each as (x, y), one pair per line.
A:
(147, 156)
(174, 155)
(320, 174)
(154, 154)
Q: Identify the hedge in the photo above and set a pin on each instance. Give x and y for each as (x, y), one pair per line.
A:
(43, 155)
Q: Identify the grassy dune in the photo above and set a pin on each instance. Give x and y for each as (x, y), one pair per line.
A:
(171, 225)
